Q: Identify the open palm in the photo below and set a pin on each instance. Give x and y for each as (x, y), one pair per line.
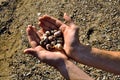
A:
(54, 58)
(70, 31)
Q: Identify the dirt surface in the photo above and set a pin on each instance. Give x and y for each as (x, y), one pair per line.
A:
(99, 22)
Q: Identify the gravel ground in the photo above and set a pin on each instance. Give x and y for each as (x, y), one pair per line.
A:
(99, 22)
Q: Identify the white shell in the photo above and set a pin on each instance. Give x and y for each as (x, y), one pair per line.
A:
(58, 46)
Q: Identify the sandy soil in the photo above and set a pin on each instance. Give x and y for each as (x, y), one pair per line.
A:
(99, 22)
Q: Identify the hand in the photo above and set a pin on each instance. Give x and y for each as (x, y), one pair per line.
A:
(79, 52)
(70, 32)
(55, 58)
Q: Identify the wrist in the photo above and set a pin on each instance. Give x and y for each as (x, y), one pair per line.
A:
(80, 52)
(62, 68)
(62, 64)
(71, 72)
(72, 48)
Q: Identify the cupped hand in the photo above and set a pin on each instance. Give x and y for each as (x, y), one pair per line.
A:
(69, 30)
(55, 58)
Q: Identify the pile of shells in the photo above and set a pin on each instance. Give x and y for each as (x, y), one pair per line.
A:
(52, 39)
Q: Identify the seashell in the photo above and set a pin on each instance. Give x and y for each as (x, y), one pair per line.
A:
(60, 41)
(60, 38)
(44, 36)
(51, 38)
(52, 31)
(41, 42)
(48, 47)
(55, 30)
(47, 33)
(58, 46)
(53, 43)
(46, 41)
(58, 33)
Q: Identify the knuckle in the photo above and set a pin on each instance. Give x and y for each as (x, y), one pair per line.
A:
(62, 28)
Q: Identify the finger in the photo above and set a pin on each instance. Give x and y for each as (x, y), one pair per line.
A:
(63, 28)
(40, 33)
(32, 36)
(69, 21)
(49, 24)
(52, 20)
(34, 28)
(67, 18)
(31, 51)
(42, 25)
(39, 52)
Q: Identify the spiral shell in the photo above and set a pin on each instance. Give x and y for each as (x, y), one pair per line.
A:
(53, 43)
(58, 33)
(48, 47)
(58, 46)
(60, 41)
(52, 40)
(47, 33)
(51, 37)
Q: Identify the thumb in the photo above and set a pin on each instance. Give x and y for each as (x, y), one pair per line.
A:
(69, 21)
(67, 18)
(31, 51)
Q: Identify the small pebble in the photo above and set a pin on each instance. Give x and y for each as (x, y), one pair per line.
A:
(57, 34)
(47, 33)
(38, 14)
(58, 46)
(48, 47)
(53, 43)
(51, 38)
(60, 41)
